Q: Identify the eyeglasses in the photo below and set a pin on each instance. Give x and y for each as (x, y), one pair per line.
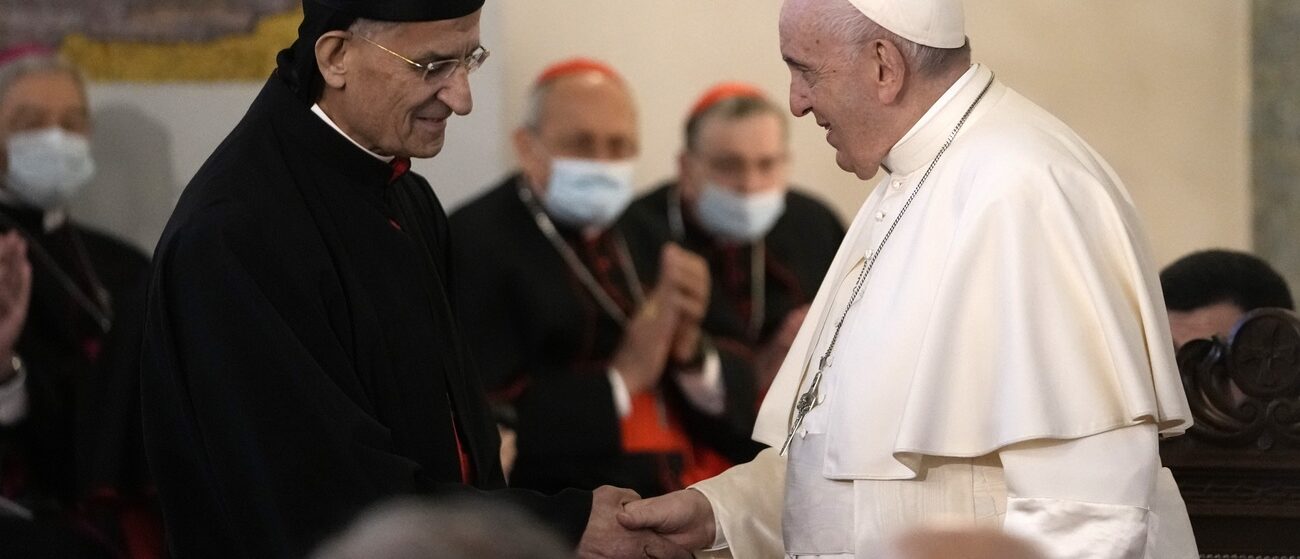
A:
(440, 69)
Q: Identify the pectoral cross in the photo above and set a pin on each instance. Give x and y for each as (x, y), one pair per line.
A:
(806, 402)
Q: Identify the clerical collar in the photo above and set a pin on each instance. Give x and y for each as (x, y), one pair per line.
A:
(917, 146)
(50, 219)
(315, 108)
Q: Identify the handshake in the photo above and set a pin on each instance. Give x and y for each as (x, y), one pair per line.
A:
(622, 526)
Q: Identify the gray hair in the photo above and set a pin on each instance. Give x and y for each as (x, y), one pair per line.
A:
(370, 27)
(731, 110)
(415, 529)
(841, 19)
(536, 103)
(14, 71)
(533, 107)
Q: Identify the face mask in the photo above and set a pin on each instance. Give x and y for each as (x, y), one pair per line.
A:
(738, 217)
(48, 167)
(588, 193)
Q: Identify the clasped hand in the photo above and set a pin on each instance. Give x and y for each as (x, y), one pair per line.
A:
(624, 527)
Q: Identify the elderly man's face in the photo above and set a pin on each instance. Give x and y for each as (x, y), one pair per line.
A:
(583, 116)
(830, 82)
(746, 156)
(41, 100)
(388, 105)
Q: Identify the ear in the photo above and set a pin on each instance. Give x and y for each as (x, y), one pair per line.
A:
(531, 163)
(683, 167)
(331, 58)
(891, 70)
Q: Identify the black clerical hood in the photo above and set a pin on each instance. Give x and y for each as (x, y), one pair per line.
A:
(297, 64)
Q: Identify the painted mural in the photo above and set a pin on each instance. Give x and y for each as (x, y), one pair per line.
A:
(157, 40)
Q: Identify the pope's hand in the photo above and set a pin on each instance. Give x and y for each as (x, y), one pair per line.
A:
(605, 538)
(684, 517)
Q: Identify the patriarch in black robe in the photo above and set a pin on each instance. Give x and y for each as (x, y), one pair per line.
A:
(302, 359)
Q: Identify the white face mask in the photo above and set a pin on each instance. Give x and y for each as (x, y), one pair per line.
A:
(736, 217)
(588, 193)
(48, 167)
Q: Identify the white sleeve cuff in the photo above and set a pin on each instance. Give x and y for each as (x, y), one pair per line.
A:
(622, 398)
(13, 399)
(719, 537)
(1087, 497)
(1077, 530)
(705, 390)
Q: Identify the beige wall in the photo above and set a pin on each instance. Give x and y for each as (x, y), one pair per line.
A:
(1160, 87)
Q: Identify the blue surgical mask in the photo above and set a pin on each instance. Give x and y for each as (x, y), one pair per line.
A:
(48, 167)
(587, 192)
(742, 218)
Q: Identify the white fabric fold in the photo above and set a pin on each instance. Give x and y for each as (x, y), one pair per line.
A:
(747, 501)
(1075, 530)
(13, 399)
(1015, 307)
(705, 390)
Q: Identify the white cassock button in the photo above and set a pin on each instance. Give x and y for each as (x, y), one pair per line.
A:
(870, 253)
(897, 184)
(880, 216)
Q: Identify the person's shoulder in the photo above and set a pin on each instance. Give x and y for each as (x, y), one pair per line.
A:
(489, 209)
(1021, 150)
(110, 247)
(654, 201)
(804, 204)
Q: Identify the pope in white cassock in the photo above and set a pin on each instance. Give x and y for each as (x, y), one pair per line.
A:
(990, 346)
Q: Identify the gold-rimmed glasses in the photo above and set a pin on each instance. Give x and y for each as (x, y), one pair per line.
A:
(440, 69)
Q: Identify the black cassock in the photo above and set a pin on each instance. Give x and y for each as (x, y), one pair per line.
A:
(301, 358)
(75, 459)
(793, 258)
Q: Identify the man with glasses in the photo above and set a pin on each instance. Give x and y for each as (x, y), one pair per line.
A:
(302, 359)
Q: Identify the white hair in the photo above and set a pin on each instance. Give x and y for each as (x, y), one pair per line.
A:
(843, 20)
(370, 27)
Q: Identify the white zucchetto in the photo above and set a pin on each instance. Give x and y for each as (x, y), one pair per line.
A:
(933, 23)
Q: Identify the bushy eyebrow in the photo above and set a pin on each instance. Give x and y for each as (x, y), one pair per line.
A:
(434, 55)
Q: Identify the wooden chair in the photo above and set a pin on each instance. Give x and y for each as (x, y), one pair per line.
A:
(1238, 467)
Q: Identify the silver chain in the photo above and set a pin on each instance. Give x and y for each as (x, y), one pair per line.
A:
(807, 400)
(579, 269)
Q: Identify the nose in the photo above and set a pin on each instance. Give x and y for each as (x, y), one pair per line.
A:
(752, 179)
(456, 92)
(800, 97)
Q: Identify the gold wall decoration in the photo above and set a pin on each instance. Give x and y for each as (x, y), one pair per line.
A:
(241, 57)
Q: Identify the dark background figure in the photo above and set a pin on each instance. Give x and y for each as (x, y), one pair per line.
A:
(301, 358)
(1208, 291)
(71, 464)
(767, 244)
(586, 329)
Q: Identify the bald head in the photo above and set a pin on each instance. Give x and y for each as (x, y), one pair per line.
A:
(584, 115)
(961, 544)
